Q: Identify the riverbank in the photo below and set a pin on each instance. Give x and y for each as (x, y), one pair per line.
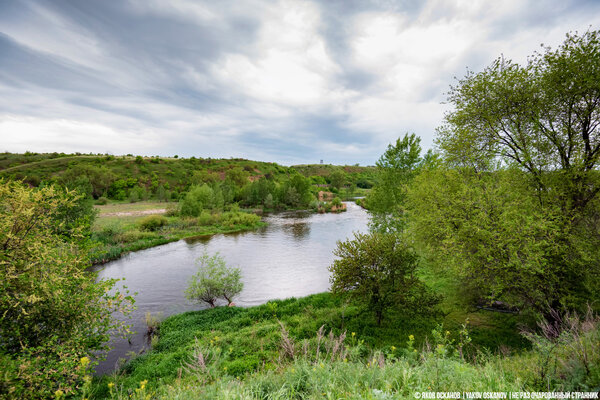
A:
(121, 228)
(321, 346)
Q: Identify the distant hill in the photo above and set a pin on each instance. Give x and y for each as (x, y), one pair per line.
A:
(176, 174)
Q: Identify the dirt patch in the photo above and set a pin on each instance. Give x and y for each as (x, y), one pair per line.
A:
(134, 213)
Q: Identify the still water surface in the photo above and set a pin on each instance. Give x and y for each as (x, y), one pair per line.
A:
(287, 258)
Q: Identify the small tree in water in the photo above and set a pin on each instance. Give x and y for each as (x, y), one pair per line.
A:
(213, 280)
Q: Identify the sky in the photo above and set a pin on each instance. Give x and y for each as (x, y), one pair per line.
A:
(287, 81)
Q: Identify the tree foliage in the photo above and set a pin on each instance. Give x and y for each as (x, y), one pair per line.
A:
(517, 213)
(544, 117)
(380, 270)
(489, 230)
(395, 170)
(214, 280)
(53, 311)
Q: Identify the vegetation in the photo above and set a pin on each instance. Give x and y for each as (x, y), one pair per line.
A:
(114, 235)
(55, 316)
(396, 168)
(516, 203)
(498, 230)
(379, 271)
(213, 280)
(320, 346)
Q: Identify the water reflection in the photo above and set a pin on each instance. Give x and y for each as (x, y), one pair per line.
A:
(289, 257)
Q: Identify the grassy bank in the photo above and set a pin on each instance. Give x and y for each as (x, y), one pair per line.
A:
(322, 347)
(124, 227)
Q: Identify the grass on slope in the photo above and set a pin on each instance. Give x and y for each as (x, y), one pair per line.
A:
(249, 340)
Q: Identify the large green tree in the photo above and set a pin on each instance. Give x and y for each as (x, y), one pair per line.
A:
(543, 117)
(517, 211)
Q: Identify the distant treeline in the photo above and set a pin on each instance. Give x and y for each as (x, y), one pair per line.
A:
(135, 178)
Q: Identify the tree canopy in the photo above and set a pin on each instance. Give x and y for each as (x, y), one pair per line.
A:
(214, 280)
(379, 270)
(515, 209)
(544, 117)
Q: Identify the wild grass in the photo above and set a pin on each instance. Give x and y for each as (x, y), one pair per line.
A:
(117, 235)
(301, 348)
(191, 360)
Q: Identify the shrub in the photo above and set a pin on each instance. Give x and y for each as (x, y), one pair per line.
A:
(153, 222)
(49, 327)
(102, 201)
(232, 219)
(379, 270)
(206, 218)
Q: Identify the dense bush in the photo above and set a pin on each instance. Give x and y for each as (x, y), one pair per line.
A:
(153, 222)
(55, 315)
(102, 201)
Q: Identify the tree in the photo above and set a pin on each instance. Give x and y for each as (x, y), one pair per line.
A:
(213, 280)
(379, 270)
(197, 199)
(54, 313)
(338, 179)
(489, 231)
(525, 141)
(543, 117)
(395, 170)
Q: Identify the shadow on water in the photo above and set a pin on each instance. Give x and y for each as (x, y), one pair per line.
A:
(287, 258)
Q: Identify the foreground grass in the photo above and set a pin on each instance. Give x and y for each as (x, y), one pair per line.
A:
(323, 347)
(116, 235)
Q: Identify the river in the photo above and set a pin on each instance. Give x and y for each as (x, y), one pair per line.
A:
(287, 258)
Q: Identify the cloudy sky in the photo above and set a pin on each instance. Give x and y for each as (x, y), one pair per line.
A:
(285, 81)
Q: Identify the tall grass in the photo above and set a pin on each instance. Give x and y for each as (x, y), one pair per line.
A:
(309, 348)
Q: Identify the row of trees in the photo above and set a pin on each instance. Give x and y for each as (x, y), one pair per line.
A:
(509, 205)
(293, 192)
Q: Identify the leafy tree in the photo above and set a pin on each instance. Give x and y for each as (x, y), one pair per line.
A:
(395, 170)
(489, 230)
(541, 122)
(238, 176)
(198, 199)
(161, 193)
(213, 280)
(338, 179)
(380, 270)
(54, 314)
(543, 117)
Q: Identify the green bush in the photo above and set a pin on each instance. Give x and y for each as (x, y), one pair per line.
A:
(153, 222)
(102, 201)
(232, 219)
(55, 315)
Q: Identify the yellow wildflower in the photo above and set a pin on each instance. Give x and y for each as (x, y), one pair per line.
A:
(59, 393)
(84, 361)
(411, 337)
(111, 385)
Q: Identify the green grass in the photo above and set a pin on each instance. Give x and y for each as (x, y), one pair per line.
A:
(240, 353)
(118, 235)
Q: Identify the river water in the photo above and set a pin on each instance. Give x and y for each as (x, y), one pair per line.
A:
(287, 258)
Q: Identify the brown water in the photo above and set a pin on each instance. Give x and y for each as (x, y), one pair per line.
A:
(287, 258)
